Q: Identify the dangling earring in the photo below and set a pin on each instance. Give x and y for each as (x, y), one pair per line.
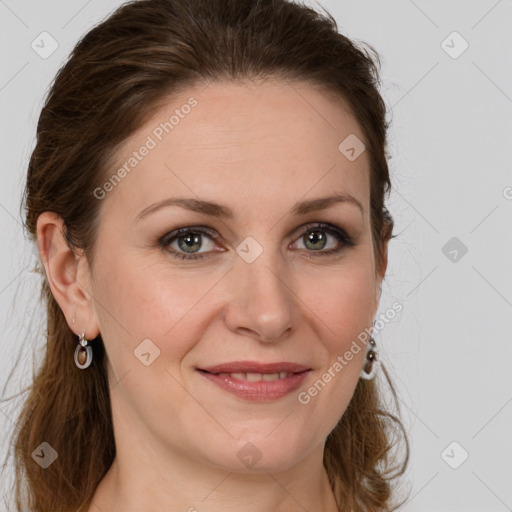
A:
(83, 353)
(369, 367)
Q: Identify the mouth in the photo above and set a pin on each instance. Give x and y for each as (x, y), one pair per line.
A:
(257, 381)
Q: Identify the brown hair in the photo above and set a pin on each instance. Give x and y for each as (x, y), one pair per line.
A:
(115, 78)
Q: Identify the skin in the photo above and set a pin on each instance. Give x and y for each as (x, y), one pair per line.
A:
(259, 149)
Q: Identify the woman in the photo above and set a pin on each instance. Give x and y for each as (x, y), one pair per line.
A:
(207, 195)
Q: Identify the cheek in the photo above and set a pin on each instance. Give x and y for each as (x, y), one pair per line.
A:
(140, 303)
(132, 307)
(343, 301)
(137, 301)
(343, 308)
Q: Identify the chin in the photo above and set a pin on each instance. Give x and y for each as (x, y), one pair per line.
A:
(259, 452)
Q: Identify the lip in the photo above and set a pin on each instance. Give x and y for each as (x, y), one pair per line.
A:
(261, 391)
(256, 367)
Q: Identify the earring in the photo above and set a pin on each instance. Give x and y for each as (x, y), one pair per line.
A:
(370, 368)
(83, 353)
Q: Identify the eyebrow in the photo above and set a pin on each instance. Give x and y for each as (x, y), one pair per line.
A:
(221, 211)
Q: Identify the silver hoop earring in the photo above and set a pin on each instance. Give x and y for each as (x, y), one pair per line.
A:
(370, 367)
(83, 353)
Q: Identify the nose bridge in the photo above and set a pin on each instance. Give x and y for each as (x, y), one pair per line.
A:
(263, 302)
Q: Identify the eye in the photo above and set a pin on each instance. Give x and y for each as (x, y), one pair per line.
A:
(316, 239)
(185, 243)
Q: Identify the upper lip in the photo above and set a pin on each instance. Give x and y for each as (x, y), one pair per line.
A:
(255, 367)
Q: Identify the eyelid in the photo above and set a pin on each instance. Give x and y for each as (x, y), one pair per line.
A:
(344, 237)
(175, 233)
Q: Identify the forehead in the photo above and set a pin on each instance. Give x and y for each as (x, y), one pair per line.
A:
(243, 144)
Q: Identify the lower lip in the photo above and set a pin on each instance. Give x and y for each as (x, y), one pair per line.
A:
(261, 390)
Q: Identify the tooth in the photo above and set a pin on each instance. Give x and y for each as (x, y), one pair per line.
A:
(270, 376)
(253, 377)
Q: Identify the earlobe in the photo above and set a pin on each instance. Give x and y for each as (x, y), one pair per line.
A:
(62, 272)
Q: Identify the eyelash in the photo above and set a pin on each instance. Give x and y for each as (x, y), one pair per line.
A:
(343, 237)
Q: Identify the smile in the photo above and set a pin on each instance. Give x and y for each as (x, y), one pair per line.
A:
(257, 381)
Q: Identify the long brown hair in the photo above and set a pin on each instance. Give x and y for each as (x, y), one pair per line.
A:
(115, 78)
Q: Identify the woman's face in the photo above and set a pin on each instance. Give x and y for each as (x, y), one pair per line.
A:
(257, 285)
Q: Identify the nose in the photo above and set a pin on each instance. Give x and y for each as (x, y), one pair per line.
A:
(262, 303)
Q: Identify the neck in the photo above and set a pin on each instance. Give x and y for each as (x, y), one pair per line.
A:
(130, 486)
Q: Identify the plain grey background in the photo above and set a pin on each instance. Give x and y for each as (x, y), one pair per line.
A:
(446, 70)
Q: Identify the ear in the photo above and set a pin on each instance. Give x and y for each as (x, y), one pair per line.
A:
(379, 275)
(68, 275)
(384, 263)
